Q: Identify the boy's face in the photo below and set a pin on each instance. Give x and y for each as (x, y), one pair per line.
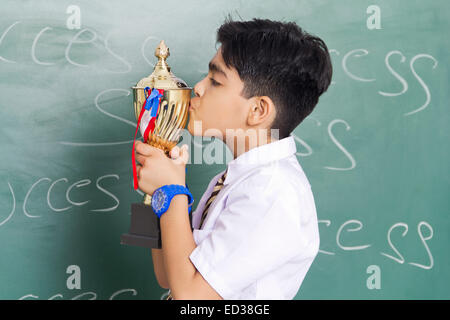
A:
(217, 102)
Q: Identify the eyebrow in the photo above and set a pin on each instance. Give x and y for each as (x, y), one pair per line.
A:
(215, 68)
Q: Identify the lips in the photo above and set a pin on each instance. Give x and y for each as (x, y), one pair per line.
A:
(192, 104)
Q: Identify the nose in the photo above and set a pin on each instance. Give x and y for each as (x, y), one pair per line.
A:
(195, 91)
(198, 89)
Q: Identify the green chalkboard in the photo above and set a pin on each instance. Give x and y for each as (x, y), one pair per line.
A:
(375, 149)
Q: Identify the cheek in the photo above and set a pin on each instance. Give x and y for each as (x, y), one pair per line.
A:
(210, 115)
(219, 109)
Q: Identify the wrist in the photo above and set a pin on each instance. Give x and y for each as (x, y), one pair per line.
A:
(178, 207)
(180, 198)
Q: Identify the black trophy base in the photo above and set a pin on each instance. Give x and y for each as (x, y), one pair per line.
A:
(145, 230)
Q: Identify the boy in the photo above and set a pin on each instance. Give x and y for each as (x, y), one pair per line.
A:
(255, 231)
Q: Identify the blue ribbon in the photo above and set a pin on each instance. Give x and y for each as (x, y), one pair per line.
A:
(153, 102)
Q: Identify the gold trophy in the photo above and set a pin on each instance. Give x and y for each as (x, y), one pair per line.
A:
(160, 125)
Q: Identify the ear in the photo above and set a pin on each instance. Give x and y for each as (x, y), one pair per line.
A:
(262, 109)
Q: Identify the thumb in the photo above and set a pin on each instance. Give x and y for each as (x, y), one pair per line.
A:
(183, 156)
(175, 152)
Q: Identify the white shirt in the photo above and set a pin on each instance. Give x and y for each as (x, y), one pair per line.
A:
(261, 233)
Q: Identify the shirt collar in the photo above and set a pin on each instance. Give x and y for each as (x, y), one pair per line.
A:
(260, 155)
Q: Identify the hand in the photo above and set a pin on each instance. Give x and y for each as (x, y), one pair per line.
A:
(154, 169)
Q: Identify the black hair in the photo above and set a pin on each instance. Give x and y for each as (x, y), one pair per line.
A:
(278, 60)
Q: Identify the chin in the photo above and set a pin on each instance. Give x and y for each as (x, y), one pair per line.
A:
(191, 130)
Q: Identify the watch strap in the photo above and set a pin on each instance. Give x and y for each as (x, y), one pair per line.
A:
(170, 191)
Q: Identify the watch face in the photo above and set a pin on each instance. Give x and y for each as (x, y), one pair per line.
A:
(159, 200)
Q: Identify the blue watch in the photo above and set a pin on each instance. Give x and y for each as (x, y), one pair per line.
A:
(162, 197)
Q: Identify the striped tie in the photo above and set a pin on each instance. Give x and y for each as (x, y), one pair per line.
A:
(211, 198)
(213, 195)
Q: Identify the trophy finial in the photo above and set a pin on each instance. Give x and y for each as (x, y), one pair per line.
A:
(162, 51)
(162, 77)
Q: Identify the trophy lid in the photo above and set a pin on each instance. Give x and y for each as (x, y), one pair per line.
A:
(162, 77)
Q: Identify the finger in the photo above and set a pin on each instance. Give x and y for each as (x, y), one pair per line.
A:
(146, 149)
(175, 152)
(140, 159)
(184, 154)
(138, 171)
(136, 143)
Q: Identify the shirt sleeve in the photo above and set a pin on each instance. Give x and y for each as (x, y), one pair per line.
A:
(254, 234)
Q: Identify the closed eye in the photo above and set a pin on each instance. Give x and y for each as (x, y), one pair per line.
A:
(214, 82)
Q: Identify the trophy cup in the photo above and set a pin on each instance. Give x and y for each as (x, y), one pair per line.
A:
(161, 105)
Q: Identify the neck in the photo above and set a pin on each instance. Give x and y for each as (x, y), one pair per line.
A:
(241, 144)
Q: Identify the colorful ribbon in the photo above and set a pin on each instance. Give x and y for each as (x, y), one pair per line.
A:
(149, 111)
